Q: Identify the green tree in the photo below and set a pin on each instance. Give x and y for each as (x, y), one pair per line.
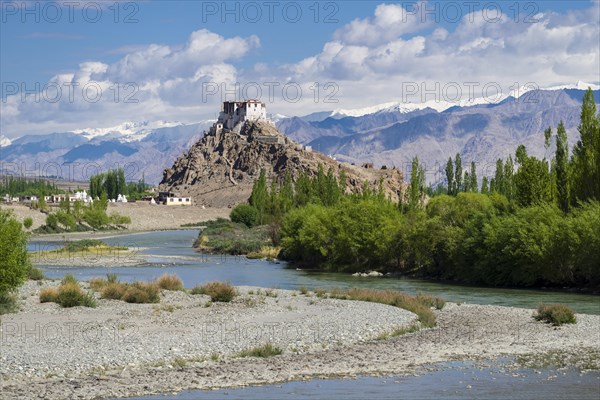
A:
(52, 221)
(14, 259)
(42, 203)
(286, 195)
(458, 174)
(586, 153)
(416, 188)
(259, 197)
(484, 185)
(562, 160)
(473, 176)
(244, 214)
(499, 177)
(532, 180)
(507, 178)
(450, 176)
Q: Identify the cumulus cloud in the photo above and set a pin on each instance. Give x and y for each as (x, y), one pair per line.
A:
(365, 62)
(398, 47)
(151, 82)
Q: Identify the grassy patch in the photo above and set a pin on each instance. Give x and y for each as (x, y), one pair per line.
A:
(403, 330)
(418, 305)
(264, 351)
(218, 291)
(436, 302)
(141, 293)
(36, 274)
(68, 294)
(268, 252)
(83, 247)
(225, 237)
(135, 292)
(169, 282)
(555, 314)
(9, 303)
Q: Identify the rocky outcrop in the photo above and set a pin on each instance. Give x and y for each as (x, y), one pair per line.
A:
(220, 169)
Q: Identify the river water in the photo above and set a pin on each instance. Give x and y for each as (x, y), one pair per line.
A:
(450, 381)
(171, 252)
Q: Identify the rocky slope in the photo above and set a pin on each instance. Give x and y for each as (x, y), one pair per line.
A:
(220, 169)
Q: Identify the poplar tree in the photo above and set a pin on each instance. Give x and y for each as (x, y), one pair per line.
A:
(450, 176)
(562, 179)
(458, 174)
(473, 182)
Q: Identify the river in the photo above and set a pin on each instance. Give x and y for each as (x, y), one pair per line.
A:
(172, 252)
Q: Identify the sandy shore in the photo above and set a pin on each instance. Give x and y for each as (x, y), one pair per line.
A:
(185, 342)
(144, 217)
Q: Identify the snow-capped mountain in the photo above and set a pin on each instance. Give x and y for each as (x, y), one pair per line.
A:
(483, 132)
(127, 131)
(142, 148)
(440, 105)
(4, 141)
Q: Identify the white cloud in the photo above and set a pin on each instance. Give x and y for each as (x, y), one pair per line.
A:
(367, 61)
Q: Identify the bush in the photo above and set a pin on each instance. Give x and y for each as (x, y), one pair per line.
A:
(555, 314)
(113, 291)
(244, 214)
(82, 245)
(8, 303)
(69, 278)
(141, 293)
(71, 295)
(13, 253)
(169, 282)
(28, 222)
(264, 351)
(48, 295)
(218, 291)
(36, 274)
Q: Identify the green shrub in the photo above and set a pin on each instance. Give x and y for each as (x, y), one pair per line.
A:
(8, 303)
(218, 291)
(555, 314)
(264, 351)
(68, 278)
(82, 245)
(244, 214)
(36, 274)
(169, 282)
(28, 222)
(111, 278)
(14, 259)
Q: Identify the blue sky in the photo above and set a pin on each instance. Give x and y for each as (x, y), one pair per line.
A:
(364, 47)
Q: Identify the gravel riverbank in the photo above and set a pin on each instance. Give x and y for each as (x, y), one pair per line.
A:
(186, 342)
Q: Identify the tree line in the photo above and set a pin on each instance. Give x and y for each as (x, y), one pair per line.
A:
(21, 186)
(535, 222)
(113, 183)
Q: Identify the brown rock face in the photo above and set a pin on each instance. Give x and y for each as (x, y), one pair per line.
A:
(220, 169)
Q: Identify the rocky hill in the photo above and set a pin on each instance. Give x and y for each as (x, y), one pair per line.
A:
(220, 169)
